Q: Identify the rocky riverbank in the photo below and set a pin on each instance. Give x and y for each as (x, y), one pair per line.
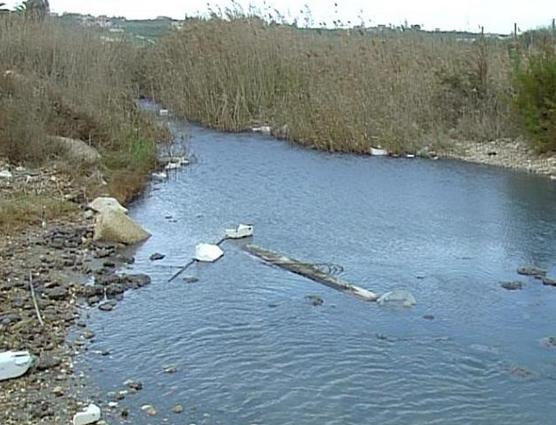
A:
(514, 154)
(70, 273)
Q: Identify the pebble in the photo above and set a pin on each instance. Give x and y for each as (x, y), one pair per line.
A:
(157, 257)
(512, 286)
(134, 385)
(149, 409)
(315, 300)
(178, 408)
(170, 369)
(58, 391)
(108, 305)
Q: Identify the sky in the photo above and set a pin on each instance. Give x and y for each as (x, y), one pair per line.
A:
(495, 15)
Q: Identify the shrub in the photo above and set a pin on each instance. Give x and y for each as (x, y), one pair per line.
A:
(535, 98)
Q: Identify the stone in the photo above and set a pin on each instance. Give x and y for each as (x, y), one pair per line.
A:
(512, 286)
(88, 334)
(57, 293)
(428, 317)
(115, 226)
(138, 280)
(190, 279)
(134, 385)
(108, 305)
(149, 409)
(104, 204)
(48, 361)
(170, 369)
(177, 409)
(531, 271)
(58, 391)
(157, 257)
(548, 281)
(315, 300)
(77, 150)
(548, 342)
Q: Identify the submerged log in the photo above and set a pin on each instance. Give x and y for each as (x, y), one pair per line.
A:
(310, 271)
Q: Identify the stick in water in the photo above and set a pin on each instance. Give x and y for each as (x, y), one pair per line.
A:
(35, 299)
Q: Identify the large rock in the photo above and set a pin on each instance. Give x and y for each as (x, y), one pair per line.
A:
(103, 204)
(115, 226)
(77, 150)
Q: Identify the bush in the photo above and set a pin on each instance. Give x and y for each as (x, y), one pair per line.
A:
(535, 98)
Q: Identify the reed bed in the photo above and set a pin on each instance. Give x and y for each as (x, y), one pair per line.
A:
(337, 90)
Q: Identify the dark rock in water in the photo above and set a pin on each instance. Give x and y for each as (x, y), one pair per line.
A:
(549, 342)
(428, 317)
(125, 259)
(134, 385)
(190, 279)
(548, 281)
(108, 305)
(177, 409)
(157, 256)
(272, 305)
(512, 286)
(57, 293)
(521, 372)
(115, 289)
(531, 271)
(136, 280)
(315, 300)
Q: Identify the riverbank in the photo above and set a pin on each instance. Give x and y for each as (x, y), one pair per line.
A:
(70, 273)
(507, 153)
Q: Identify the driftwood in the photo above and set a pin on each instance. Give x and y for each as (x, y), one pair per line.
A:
(310, 271)
(33, 296)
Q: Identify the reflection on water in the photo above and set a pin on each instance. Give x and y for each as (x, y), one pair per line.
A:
(248, 347)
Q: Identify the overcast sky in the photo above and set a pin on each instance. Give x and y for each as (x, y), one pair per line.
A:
(494, 15)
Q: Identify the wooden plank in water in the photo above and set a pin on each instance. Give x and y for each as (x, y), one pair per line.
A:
(309, 271)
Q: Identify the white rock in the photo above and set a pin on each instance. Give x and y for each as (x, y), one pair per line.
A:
(104, 204)
(115, 226)
(77, 150)
(5, 174)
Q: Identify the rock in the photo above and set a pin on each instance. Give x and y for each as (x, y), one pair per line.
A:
(428, 317)
(115, 226)
(138, 280)
(48, 361)
(548, 342)
(315, 300)
(157, 257)
(177, 409)
(104, 204)
(77, 150)
(88, 334)
(170, 369)
(57, 293)
(398, 297)
(108, 305)
(512, 286)
(115, 289)
(9, 318)
(149, 409)
(134, 385)
(548, 281)
(113, 404)
(58, 391)
(5, 174)
(190, 279)
(531, 271)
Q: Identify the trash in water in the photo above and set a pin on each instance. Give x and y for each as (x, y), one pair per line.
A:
(208, 253)
(173, 163)
(88, 416)
(14, 364)
(242, 231)
(398, 297)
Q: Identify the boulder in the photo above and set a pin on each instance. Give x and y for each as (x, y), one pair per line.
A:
(115, 226)
(77, 150)
(104, 204)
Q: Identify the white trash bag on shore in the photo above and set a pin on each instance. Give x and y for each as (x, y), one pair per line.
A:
(14, 364)
(397, 297)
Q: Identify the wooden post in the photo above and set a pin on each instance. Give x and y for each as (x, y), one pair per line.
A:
(310, 271)
(515, 30)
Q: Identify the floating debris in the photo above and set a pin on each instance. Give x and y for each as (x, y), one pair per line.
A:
(397, 297)
(208, 253)
(240, 232)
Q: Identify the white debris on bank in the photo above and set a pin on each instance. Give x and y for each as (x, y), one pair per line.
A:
(378, 152)
(264, 129)
(6, 174)
(164, 112)
(14, 364)
(88, 416)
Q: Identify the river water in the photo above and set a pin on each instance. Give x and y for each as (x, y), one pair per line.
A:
(250, 349)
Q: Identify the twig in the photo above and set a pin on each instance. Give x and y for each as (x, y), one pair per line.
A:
(180, 271)
(35, 299)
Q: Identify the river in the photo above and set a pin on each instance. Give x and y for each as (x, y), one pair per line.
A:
(250, 349)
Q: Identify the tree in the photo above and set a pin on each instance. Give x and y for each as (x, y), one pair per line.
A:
(34, 9)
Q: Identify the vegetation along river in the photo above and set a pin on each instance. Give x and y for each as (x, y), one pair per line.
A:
(249, 348)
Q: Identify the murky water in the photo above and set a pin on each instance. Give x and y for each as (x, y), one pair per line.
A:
(249, 349)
